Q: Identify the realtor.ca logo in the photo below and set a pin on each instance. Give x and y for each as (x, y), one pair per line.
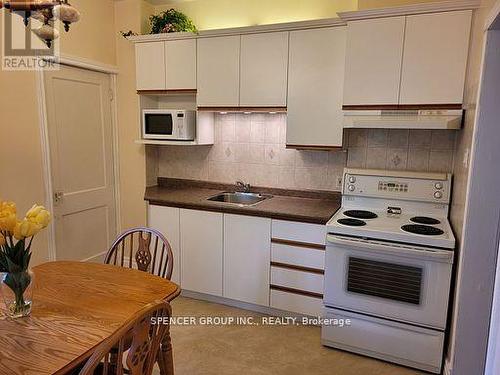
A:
(22, 49)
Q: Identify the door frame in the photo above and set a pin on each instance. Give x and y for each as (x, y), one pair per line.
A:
(89, 65)
(477, 271)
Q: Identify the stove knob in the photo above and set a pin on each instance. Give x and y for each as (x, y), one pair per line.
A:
(351, 187)
(438, 195)
(352, 180)
(438, 185)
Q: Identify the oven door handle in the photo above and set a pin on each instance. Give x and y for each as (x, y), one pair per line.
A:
(377, 247)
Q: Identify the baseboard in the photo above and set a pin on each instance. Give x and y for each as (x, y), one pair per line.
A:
(97, 258)
(266, 310)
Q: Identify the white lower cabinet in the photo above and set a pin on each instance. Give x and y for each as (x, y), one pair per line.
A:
(166, 220)
(202, 248)
(296, 303)
(247, 248)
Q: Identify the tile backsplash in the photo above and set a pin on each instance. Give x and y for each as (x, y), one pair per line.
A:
(251, 147)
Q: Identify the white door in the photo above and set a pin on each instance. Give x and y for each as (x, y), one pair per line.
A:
(180, 57)
(373, 61)
(150, 66)
(435, 58)
(315, 86)
(201, 249)
(167, 221)
(264, 70)
(81, 160)
(247, 253)
(218, 71)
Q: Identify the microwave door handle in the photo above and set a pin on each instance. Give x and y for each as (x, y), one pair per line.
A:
(437, 255)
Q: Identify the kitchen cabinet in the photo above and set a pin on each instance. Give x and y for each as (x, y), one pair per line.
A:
(264, 69)
(435, 58)
(315, 86)
(180, 64)
(201, 235)
(150, 66)
(218, 71)
(166, 220)
(247, 247)
(373, 61)
(409, 60)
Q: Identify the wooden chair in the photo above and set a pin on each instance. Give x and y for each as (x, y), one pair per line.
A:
(146, 339)
(143, 248)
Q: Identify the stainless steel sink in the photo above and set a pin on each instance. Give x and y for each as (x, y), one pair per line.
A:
(239, 198)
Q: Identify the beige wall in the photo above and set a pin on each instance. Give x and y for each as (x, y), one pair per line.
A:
(20, 151)
(216, 14)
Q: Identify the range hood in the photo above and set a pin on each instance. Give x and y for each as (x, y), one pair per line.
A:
(403, 119)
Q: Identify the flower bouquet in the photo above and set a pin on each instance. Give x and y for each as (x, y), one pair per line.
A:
(16, 237)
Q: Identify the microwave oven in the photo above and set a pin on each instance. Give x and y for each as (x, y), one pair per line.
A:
(168, 124)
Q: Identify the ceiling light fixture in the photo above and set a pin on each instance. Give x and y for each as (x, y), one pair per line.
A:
(45, 11)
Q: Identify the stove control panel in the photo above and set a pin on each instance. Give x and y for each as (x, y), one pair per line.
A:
(409, 186)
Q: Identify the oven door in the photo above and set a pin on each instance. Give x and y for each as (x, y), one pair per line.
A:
(159, 125)
(401, 282)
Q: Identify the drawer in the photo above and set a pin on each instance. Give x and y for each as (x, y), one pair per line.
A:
(298, 256)
(391, 341)
(296, 303)
(299, 232)
(298, 280)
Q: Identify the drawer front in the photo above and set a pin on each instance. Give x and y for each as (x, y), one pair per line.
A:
(298, 280)
(296, 303)
(299, 232)
(298, 256)
(391, 341)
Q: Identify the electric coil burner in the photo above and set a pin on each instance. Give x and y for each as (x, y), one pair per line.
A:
(425, 230)
(361, 214)
(351, 222)
(425, 220)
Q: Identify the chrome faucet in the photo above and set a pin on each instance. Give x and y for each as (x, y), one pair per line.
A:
(243, 186)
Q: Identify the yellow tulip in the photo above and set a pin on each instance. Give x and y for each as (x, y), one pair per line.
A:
(25, 229)
(39, 215)
(8, 217)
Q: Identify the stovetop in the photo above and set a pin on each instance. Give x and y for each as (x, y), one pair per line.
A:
(406, 227)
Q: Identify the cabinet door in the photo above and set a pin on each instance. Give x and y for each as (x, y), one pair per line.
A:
(181, 64)
(218, 71)
(373, 61)
(166, 220)
(247, 249)
(150, 65)
(201, 247)
(264, 65)
(435, 58)
(315, 83)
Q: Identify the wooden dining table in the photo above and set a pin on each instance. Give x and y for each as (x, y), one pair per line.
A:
(75, 307)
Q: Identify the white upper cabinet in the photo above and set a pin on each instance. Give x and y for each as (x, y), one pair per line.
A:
(264, 65)
(218, 71)
(181, 64)
(373, 61)
(150, 66)
(315, 83)
(247, 253)
(435, 58)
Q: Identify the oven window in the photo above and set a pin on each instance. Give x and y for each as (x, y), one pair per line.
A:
(385, 280)
(159, 124)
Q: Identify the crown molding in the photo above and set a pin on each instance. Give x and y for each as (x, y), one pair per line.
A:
(444, 6)
(288, 26)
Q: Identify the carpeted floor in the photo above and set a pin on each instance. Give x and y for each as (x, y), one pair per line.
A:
(260, 350)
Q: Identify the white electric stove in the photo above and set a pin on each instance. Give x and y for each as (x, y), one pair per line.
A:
(388, 266)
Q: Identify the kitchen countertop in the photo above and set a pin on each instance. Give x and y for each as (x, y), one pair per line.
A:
(304, 206)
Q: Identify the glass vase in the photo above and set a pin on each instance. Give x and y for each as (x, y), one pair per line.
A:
(17, 293)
